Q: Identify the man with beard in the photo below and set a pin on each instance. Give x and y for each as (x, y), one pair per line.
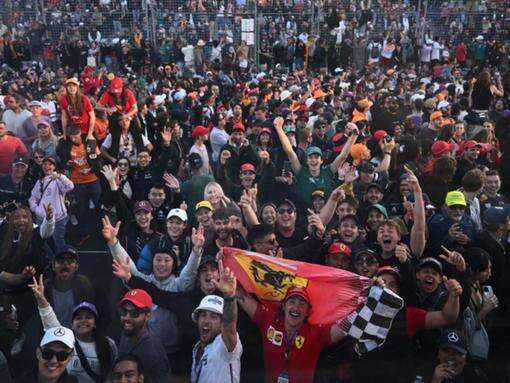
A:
(182, 304)
(470, 153)
(247, 175)
(224, 232)
(452, 227)
(67, 288)
(135, 313)
(16, 187)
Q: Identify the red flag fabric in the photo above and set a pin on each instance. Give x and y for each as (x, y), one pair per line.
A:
(334, 293)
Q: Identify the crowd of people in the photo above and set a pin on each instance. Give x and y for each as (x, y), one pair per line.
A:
(385, 154)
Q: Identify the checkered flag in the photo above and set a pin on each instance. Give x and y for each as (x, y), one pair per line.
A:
(370, 324)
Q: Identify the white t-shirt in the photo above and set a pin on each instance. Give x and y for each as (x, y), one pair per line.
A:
(75, 367)
(217, 364)
(127, 147)
(436, 51)
(426, 50)
(218, 139)
(13, 120)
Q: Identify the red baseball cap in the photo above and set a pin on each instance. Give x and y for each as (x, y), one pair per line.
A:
(471, 144)
(380, 134)
(441, 147)
(297, 291)
(142, 205)
(266, 130)
(339, 248)
(139, 298)
(247, 167)
(239, 126)
(116, 85)
(199, 131)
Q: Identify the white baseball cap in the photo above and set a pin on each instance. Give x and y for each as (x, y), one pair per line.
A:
(58, 334)
(443, 104)
(179, 213)
(285, 95)
(211, 303)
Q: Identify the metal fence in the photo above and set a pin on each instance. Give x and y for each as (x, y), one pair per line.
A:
(189, 20)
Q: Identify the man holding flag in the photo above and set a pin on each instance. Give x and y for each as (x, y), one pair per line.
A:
(291, 342)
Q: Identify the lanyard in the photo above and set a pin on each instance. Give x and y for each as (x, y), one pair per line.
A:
(288, 345)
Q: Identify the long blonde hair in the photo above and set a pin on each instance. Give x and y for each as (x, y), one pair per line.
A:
(224, 200)
(23, 243)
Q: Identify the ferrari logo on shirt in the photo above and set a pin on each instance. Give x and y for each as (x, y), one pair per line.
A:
(299, 341)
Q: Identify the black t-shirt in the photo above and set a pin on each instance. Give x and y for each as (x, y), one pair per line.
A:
(295, 239)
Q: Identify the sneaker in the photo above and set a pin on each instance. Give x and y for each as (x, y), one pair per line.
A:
(17, 345)
(73, 220)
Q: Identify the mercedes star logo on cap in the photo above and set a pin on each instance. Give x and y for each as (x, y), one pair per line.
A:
(453, 337)
(59, 332)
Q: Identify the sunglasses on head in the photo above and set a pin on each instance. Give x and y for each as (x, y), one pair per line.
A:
(283, 210)
(133, 313)
(48, 354)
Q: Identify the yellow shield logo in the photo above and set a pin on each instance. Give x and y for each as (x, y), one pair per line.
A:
(299, 342)
(271, 281)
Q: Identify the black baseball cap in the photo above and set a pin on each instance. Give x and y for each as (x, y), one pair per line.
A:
(67, 252)
(195, 161)
(453, 339)
(366, 167)
(207, 259)
(430, 262)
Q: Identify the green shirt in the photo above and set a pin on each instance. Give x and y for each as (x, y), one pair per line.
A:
(307, 183)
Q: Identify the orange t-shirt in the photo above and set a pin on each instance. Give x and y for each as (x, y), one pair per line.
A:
(81, 172)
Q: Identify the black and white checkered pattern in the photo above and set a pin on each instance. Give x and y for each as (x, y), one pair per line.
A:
(371, 323)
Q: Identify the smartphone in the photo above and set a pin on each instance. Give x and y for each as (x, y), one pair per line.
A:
(487, 291)
(287, 169)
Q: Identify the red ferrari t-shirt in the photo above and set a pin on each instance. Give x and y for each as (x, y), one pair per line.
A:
(303, 349)
(123, 104)
(415, 320)
(82, 120)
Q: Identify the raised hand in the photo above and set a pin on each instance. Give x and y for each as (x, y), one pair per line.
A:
(452, 286)
(378, 281)
(109, 231)
(171, 182)
(278, 122)
(109, 173)
(315, 222)
(338, 195)
(49, 211)
(402, 253)
(227, 283)
(166, 135)
(224, 156)
(264, 156)
(453, 258)
(412, 180)
(38, 290)
(55, 175)
(198, 238)
(28, 272)
(183, 206)
(122, 269)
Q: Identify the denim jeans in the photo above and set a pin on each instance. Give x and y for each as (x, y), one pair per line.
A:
(83, 193)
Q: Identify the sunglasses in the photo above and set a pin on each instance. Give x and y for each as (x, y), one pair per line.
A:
(48, 354)
(457, 207)
(38, 157)
(283, 211)
(133, 313)
(123, 164)
(367, 260)
(246, 172)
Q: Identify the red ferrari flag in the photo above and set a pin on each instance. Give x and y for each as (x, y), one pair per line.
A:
(334, 293)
